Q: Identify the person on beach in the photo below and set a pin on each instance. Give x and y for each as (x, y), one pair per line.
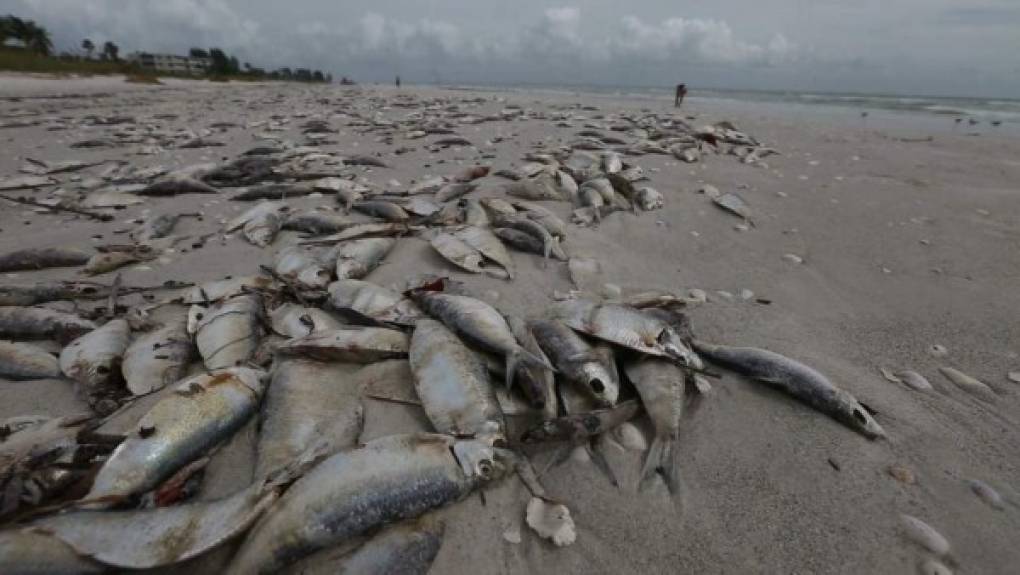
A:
(398, 81)
(681, 91)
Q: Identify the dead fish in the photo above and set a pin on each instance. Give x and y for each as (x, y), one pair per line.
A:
(110, 199)
(537, 383)
(157, 227)
(367, 301)
(986, 493)
(734, 204)
(110, 261)
(157, 537)
(914, 380)
(26, 182)
(422, 207)
(349, 344)
(357, 491)
(408, 548)
(158, 358)
(306, 405)
(385, 210)
(924, 535)
(611, 162)
(229, 332)
(798, 380)
(427, 186)
(216, 290)
(453, 384)
(550, 244)
(591, 369)
(347, 192)
(361, 231)
(292, 320)
(262, 230)
(481, 324)
(452, 141)
(498, 207)
(362, 160)
(43, 292)
(648, 199)
(27, 553)
(475, 213)
(467, 258)
(258, 211)
(969, 384)
(472, 173)
(94, 359)
(581, 427)
(627, 327)
(358, 258)
(302, 266)
(198, 414)
(42, 258)
(661, 387)
(17, 322)
(454, 191)
(22, 361)
(544, 216)
(274, 192)
(316, 223)
(533, 189)
(488, 245)
(567, 186)
(520, 241)
(176, 187)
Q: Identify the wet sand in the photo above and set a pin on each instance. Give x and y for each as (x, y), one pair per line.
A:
(908, 237)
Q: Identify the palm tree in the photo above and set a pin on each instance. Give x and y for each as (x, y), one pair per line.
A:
(110, 51)
(37, 39)
(88, 46)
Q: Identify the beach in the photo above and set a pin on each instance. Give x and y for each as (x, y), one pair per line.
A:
(873, 239)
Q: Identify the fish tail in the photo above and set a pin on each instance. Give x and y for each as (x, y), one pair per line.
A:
(662, 460)
(534, 360)
(599, 459)
(513, 362)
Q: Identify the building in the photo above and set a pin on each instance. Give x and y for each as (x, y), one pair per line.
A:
(170, 63)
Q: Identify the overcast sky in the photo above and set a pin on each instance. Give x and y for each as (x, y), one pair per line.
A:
(947, 47)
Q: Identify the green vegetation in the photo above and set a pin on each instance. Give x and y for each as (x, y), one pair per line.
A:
(27, 47)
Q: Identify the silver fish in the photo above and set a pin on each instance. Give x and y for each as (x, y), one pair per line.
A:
(42, 258)
(479, 323)
(262, 230)
(350, 344)
(307, 405)
(198, 414)
(302, 266)
(627, 327)
(292, 320)
(356, 231)
(177, 186)
(357, 258)
(42, 292)
(317, 223)
(18, 322)
(648, 199)
(590, 368)
(520, 241)
(661, 386)
(162, 536)
(550, 244)
(578, 428)
(216, 290)
(228, 334)
(454, 191)
(467, 258)
(798, 380)
(258, 211)
(968, 383)
(27, 553)
(550, 221)
(488, 245)
(407, 548)
(94, 359)
(158, 358)
(453, 384)
(381, 209)
(368, 301)
(354, 492)
(537, 383)
(734, 204)
(157, 227)
(22, 361)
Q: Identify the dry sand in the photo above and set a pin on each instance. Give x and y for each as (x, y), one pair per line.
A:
(905, 244)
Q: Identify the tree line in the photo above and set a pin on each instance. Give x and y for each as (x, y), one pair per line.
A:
(36, 39)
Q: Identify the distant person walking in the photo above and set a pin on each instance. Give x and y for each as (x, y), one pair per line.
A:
(681, 91)
(398, 81)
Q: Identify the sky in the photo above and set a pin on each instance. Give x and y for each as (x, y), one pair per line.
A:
(931, 47)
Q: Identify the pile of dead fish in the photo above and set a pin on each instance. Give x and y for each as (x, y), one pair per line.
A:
(80, 496)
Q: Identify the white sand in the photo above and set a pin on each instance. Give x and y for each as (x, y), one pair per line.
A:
(761, 495)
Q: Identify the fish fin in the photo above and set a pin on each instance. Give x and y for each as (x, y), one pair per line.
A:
(532, 359)
(600, 461)
(867, 407)
(513, 361)
(662, 460)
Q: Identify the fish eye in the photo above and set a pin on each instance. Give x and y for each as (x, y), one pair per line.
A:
(485, 469)
(597, 385)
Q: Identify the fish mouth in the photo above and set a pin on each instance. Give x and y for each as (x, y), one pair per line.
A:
(866, 424)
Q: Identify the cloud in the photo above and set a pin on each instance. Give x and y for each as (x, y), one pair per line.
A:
(696, 40)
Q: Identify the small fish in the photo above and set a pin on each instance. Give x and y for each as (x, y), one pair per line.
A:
(256, 212)
(358, 258)
(158, 358)
(581, 427)
(648, 199)
(381, 209)
(369, 302)
(157, 227)
(351, 344)
(407, 548)
(986, 493)
(550, 244)
(29, 553)
(467, 258)
(201, 412)
(361, 231)
(537, 383)
(453, 384)
(357, 491)
(479, 323)
(292, 320)
(216, 290)
(734, 204)
(317, 223)
(452, 141)
(924, 535)
(454, 191)
(110, 261)
(534, 189)
(556, 226)
(43, 292)
(262, 230)
(362, 160)
(274, 192)
(520, 241)
(176, 187)
(661, 387)
(229, 332)
(302, 266)
(914, 380)
(472, 173)
(94, 359)
(592, 369)
(488, 245)
(969, 384)
(17, 322)
(42, 258)
(22, 361)
(347, 192)
(798, 380)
